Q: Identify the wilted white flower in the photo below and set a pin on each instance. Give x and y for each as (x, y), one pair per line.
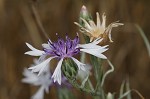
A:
(98, 30)
(63, 49)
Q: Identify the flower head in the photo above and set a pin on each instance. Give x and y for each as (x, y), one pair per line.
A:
(44, 80)
(97, 30)
(62, 49)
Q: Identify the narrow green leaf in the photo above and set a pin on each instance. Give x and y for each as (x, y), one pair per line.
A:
(90, 85)
(144, 37)
(84, 81)
(127, 89)
(125, 94)
(122, 88)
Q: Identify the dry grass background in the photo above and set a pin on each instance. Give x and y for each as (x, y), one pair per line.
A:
(128, 52)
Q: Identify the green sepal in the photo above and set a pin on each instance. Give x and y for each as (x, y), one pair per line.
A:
(69, 69)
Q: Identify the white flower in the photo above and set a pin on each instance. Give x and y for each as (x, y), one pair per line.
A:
(65, 49)
(97, 30)
(43, 81)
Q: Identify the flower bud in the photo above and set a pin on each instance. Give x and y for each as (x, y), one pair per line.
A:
(69, 69)
(83, 12)
(110, 96)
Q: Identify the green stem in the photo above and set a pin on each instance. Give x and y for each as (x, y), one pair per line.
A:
(108, 72)
(76, 85)
(147, 43)
(90, 85)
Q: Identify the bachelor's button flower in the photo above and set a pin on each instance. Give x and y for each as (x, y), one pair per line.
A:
(97, 30)
(63, 49)
(43, 81)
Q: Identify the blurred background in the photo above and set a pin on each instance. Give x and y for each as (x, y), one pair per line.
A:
(128, 52)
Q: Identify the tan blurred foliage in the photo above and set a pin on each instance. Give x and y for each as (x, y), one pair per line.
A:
(128, 52)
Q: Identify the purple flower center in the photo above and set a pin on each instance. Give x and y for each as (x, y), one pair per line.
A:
(63, 48)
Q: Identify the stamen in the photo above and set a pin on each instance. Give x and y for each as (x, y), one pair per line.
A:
(63, 48)
(57, 35)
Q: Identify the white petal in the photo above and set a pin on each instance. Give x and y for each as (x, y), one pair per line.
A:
(57, 72)
(35, 61)
(42, 58)
(96, 52)
(97, 41)
(83, 74)
(47, 89)
(41, 67)
(87, 26)
(109, 35)
(34, 51)
(30, 77)
(89, 46)
(46, 81)
(92, 24)
(39, 94)
(114, 24)
(98, 20)
(92, 44)
(78, 24)
(104, 20)
(31, 80)
(79, 64)
(45, 45)
(30, 46)
(109, 28)
(28, 73)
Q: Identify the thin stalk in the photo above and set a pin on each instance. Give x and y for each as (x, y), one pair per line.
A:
(37, 19)
(83, 55)
(108, 72)
(90, 85)
(76, 85)
(147, 43)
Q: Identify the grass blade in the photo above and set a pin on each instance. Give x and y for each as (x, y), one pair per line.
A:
(144, 37)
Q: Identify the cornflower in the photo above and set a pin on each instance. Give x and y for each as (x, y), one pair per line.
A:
(44, 81)
(63, 49)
